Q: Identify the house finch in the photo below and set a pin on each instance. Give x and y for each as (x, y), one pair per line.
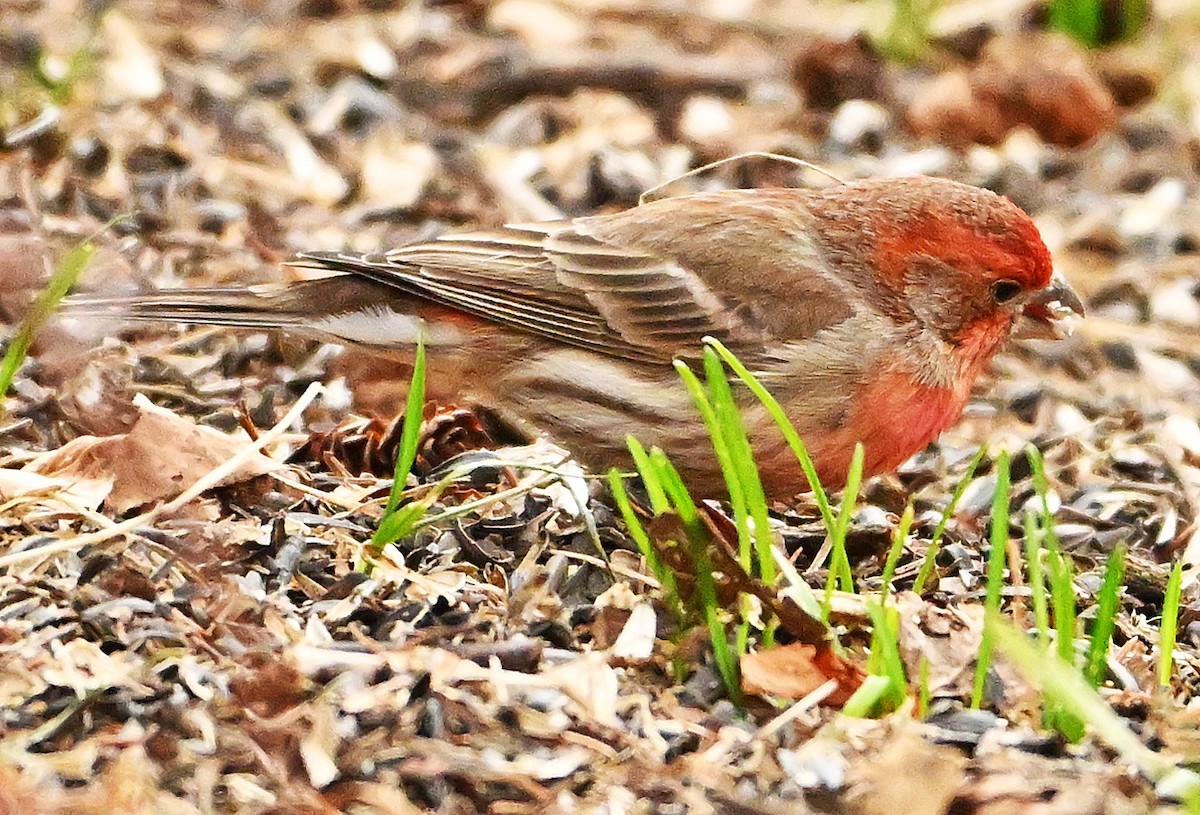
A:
(868, 309)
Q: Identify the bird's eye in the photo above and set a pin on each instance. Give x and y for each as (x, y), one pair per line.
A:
(1005, 290)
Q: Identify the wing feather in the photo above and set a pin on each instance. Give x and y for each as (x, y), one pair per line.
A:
(645, 284)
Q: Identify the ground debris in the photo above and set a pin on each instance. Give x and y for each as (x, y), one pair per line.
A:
(514, 654)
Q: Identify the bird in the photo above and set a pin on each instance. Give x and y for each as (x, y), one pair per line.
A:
(868, 308)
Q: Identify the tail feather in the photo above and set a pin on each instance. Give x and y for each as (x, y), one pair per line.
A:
(229, 307)
(337, 308)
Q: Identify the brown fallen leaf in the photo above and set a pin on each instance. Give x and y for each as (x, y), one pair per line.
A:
(948, 641)
(946, 638)
(56, 494)
(796, 670)
(159, 458)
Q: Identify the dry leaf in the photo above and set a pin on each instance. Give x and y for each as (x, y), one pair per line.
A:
(787, 671)
(796, 670)
(55, 493)
(159, 458)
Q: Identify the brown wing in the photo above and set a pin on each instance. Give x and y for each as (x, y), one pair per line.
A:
(646, 284)
(503, 276)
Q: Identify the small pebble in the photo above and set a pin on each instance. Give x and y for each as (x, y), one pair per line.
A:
(858, 124)
(1151, 213)
(1168, 375)
(705, 119)
(1069, 421)
(1176, 303)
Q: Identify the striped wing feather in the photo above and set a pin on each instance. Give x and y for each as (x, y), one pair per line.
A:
(556, 281)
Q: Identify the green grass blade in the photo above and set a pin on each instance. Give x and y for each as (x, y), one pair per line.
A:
(1107, 605)
(923, 691)
(676, 491)
(1137, 14)
(727, 425)
(61, 281)
(897, 549)
(406, 454)
(839, 562)
(741, 639)
(1063, 682)
(401, 521)
(929, 562)
(654, 491)
(885, 651)
(742, 456)
(634, 524)
(907, 36)
(1062, 597)
(664, 576)
(1037, 578)
(1060, 571)
(1079, 18)
(708, 414)
(840, 576)
(1060, 576)
(1170, 623)
(706, 587)
(723, 424)
(1041, 486)
(995, 583)
(410, 431)
(869, 696)
(776, 411)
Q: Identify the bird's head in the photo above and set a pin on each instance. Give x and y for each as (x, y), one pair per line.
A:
(970, 265)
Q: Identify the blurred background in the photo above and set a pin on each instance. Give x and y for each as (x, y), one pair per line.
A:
(225, 136)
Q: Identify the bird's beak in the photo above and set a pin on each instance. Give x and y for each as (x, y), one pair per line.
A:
(1050, 313)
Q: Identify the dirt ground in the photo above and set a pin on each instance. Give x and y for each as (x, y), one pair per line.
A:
(168, 646)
